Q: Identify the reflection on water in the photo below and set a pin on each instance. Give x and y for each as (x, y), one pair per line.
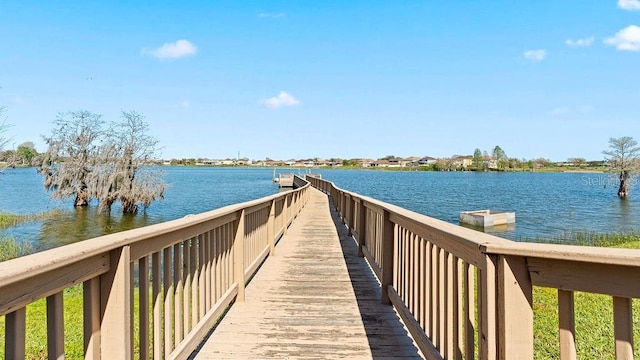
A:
(86, 223)
(495, 229)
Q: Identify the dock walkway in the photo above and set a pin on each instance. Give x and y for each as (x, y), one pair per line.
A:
(316, 298)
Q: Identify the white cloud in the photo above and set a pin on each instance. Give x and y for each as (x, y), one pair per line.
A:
(178, 49)
(584, 42)
(535, 55)
(17, 100)
(626, 39)
(630, 5)
(564, 110)
(185, 104)
(283, 99)
(560, 111)
(271, 15)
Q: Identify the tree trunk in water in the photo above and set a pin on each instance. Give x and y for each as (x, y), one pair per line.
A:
(129, 207)
(82, 199)
(624, 184)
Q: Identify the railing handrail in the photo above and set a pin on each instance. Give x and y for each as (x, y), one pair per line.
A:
(196, 266)
(29, 266)
(462, 292)
(492, 244)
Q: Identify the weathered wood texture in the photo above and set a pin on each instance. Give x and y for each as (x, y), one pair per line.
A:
(315, 299)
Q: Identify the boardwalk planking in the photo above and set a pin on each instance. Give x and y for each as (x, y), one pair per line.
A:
(314, 299)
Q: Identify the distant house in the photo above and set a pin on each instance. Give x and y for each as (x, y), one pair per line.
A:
(427, 160)
(366, 162)
(490, 162)
(462, 161)
(380, 163)
(412, 161)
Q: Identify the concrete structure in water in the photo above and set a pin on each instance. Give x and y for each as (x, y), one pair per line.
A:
(486, 218)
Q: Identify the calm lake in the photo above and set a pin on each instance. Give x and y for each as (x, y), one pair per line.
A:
(546, 204)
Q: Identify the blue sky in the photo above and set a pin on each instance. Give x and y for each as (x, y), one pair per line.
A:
(304, 79)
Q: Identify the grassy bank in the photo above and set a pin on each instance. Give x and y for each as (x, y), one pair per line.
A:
(36, 342)
(11, 248)
(630, 240)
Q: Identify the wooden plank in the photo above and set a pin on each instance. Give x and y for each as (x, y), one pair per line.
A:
(177, 280)
(186, 310)
(202, 299)
(143, 312)
(623, 327)
(335, 315)
(256, 263)
(164, 240)
(252, 209)
(91, 318)
(567, 325)
(586, 254)
(388, 239)
(367, 254)
(469, 311)
(55, 326)
(18, 295)
(488, 308)
(423, 342)
(238, 260)
(588, 277)
(116, 307)
(193, 339)
(454, 239)
(515, 309)
(15, 334)
(157, 306)
(167, 288)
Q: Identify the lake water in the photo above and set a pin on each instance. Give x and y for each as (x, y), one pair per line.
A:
(190, 190)
(546, 204)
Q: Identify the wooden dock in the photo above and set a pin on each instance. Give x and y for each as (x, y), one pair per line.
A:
(314, 299)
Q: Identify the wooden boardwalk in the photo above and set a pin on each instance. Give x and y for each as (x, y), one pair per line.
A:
(314, 299)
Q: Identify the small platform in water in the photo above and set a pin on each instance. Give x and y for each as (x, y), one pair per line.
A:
(285, 180)
(486, 218)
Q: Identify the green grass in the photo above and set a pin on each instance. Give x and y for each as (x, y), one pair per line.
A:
(593, 315)
(590, 238)
(594, 325)
(36, 342)
(10, 248)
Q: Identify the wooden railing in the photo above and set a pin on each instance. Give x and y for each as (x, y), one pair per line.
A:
(180, 275)
(464, 294)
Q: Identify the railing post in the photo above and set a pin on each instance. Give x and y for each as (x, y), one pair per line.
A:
(388, 240)
(567, 324)
(238, 256)
(362, 227)
(91, 310)
(55, 326)
(623, 327)
(15, 334)
(515, 309)
(115, 299)
(343, 207)
(352, 214)
(487, 318)
(271, 224)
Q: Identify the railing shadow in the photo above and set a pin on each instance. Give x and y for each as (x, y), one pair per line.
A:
(387, 336)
